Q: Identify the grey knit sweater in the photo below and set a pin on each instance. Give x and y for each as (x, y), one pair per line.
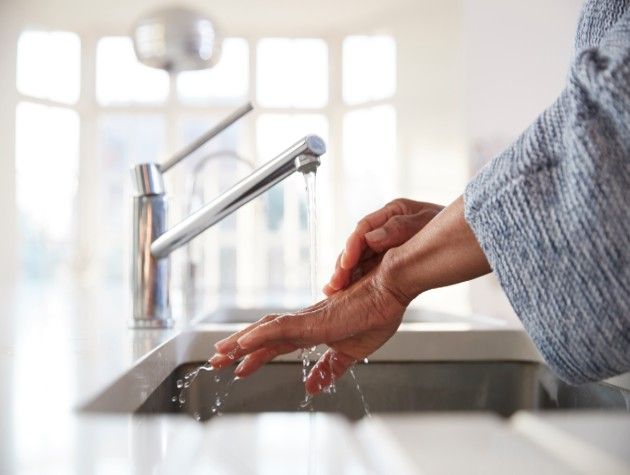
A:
(552, 212)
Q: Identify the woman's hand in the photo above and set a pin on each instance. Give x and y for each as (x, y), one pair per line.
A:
(360, 319)
(379, 231)
(354, 324)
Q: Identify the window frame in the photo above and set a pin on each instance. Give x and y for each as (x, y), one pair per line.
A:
(333, 227)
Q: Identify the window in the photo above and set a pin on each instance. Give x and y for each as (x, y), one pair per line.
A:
(369, 159)
(259, 255)
(48, 65)
(121, 79)
(225, 83)
(369, 68)
(47, 149)
(292, 73)
(46, 167)
(288, 249)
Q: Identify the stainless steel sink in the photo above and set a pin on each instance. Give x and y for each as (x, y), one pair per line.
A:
(387, 387)
(434, 362)
(246, 315)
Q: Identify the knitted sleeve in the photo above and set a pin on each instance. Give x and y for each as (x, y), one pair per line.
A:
(552, 214)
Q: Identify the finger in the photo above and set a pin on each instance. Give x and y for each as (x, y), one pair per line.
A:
(397, 230)
(330, 367)
(339, 276)
(344, 277)
(255, 360)
(356, 244)
(228, 345)
(328, 290)
(302, 329)
(219, 361)
(364, 268)
(340, 279)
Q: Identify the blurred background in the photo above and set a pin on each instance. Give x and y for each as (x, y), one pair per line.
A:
(411, 96)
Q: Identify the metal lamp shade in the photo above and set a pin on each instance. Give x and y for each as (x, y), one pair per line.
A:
(176, 39)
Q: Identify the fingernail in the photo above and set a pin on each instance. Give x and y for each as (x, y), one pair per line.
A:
(214, 359)
(239, 369)
(342, 261)
(377, 235)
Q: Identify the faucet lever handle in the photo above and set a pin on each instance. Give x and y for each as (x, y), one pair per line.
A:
(213, 132)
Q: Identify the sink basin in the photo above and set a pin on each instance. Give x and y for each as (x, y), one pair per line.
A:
(434, 362)
(246, 315)
(386, 387)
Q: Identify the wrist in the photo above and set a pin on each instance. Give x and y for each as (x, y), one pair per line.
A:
(395, 279)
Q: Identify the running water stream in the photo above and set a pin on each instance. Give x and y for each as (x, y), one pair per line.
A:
(310, 179)
(307, 353)
(222, 390)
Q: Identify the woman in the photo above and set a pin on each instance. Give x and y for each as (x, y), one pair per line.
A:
(550, 215)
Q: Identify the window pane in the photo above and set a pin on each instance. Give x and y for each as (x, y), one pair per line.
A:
(48, 65)
(285, 223)
(369, 165)
(227, 82)
(217, 165)
(121, 79)
(292, 72)
(369, 68)
(276, 132)
(46, 168)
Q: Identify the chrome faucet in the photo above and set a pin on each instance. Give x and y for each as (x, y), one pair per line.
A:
(153, 243)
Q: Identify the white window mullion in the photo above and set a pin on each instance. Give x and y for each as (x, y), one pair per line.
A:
(89, 255)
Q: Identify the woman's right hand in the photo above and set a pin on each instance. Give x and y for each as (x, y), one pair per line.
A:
(388, 227)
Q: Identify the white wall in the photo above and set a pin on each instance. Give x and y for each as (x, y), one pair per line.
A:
(8, 35)
(516, 55)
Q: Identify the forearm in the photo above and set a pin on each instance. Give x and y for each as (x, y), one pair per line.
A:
(445, 252)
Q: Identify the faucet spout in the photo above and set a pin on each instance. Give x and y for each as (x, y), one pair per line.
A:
(303, 156)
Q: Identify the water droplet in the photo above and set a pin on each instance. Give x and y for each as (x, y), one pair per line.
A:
(214, 410)
(307, 401)
(197, 416)
(365, 360)
(217, 401)
(187, 384)
(182, 398)
(180, 383)
(174, 399)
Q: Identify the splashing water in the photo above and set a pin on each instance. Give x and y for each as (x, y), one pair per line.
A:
(220, 394)
(366, 408)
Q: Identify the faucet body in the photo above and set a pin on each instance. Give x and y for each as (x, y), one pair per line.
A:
(153, 243)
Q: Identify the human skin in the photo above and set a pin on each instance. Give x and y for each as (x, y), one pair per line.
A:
(393, 255)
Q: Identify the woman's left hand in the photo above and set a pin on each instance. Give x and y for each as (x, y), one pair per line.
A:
(353, 323)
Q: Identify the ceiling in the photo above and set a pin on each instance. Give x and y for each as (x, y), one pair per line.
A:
(233, 16)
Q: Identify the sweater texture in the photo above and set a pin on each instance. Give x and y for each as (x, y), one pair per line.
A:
(552, 212)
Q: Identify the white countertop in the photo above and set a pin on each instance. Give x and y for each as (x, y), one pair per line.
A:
(60, 344)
